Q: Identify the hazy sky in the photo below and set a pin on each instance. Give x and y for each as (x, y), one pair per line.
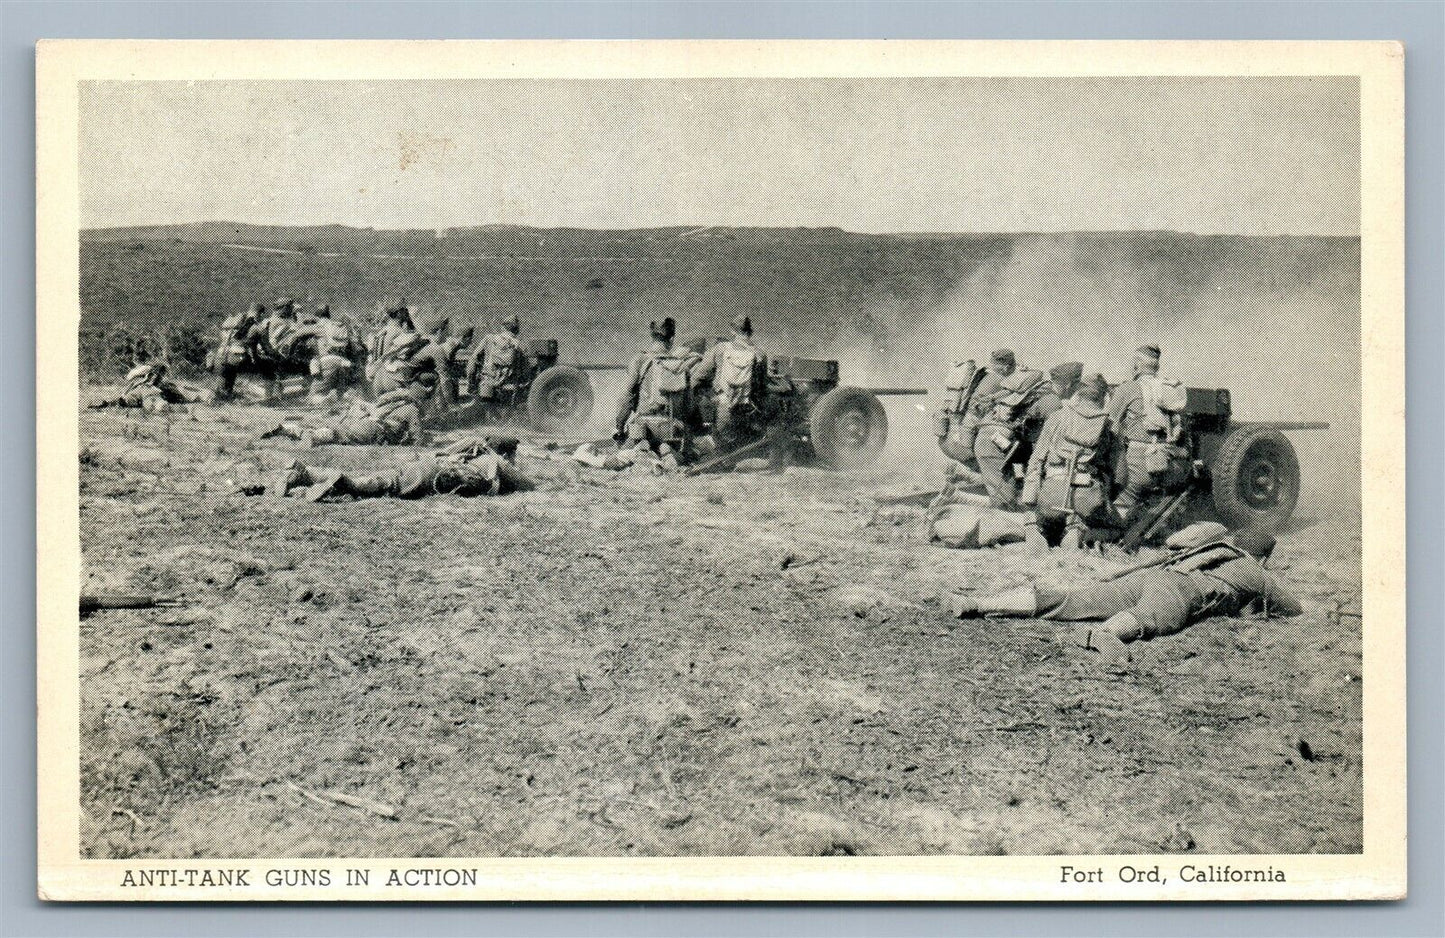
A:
(1208, 155)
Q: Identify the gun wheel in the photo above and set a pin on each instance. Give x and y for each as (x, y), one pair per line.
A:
(1255, 479)
(849, 428)
(560, 399)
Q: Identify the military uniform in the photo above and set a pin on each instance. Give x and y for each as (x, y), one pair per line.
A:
(657, 390)
(1067, 482)
(472, 468)
(737, 373)
(239, 335)
(331, 345)
(1150, 457)
(960, 421)
(497, 369)
(396, 369)
(1216, 579)
(1007, 431)
(382, 344)
(146, 387)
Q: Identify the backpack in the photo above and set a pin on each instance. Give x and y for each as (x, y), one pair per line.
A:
(1013, 397)
(502, 352)
(1078, 439)
(335, 339)
(664, 380)
(963, 379)
(736, 367)
(1015, 394)
(1165, 400)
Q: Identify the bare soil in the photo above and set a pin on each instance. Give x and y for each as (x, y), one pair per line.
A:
(630, 664)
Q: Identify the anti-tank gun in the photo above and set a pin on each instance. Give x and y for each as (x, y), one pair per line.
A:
(1244, 473)
(809, 416)
(552, 397)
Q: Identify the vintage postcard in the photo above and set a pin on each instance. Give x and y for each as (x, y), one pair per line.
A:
(721, 470)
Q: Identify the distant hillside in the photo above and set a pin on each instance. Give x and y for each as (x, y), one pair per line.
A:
(894, 307)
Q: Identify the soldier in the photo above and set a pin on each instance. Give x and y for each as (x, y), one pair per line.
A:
(331, 344)
(394, 418)
(656, 399)
(1067, 482)
(281, 327)
(1146, 413)
(146, 386)
(394, 368)
(737, 373)
(433, 364)
(1222, 577)
(470, 468)
(701, 410)
(235, 349)
(396, 322)
(497, 369)
(958, 424)
(1007, 431)
(1063, 382)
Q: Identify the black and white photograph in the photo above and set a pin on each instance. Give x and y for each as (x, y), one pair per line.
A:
(808, 463)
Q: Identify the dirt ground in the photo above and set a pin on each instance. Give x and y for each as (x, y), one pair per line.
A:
(630, 664)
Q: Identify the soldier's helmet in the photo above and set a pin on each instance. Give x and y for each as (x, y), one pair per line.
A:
(663, 331)
(743, 324)
(1068, 373)
(1093, 388)
(1002, 358)
(511, 323)
(393, 306)
(323, 311)
(285, 306)
(256, 309)
(1146, 359)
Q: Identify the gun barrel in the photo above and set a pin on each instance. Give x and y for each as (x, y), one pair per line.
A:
(896, 392)
(1284, 424)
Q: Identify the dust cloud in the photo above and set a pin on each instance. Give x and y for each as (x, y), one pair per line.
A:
(1274, 320)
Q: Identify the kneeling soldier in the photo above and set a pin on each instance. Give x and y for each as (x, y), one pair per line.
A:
(1067, 482)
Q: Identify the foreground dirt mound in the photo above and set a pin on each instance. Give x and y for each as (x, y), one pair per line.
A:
(628, 664)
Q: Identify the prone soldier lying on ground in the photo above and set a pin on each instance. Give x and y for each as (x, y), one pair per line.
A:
(395, 418)
(146, 386)
(468, 468)
(1208, 574)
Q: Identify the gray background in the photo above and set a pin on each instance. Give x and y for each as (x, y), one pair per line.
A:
(1422, 27)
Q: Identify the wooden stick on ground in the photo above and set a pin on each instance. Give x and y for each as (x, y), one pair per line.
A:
(332, 797)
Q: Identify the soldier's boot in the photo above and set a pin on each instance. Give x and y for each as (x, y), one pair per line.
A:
(1020, 603)
(1110, 638)
(1034, 538)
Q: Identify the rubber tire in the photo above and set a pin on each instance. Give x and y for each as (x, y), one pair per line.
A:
(1227, 479)
(543, 399)
(825, 433)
